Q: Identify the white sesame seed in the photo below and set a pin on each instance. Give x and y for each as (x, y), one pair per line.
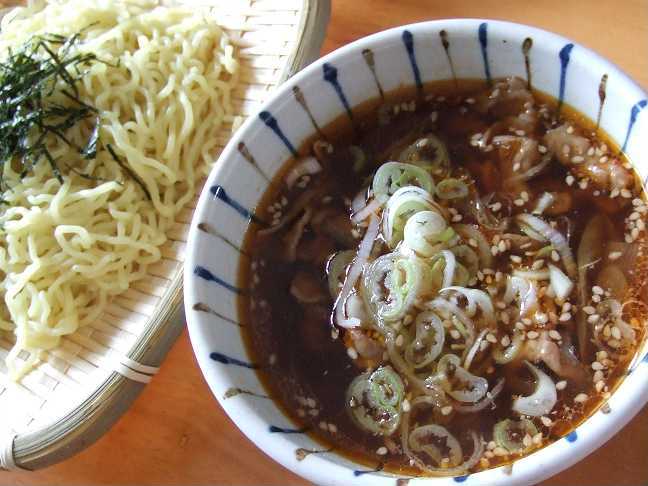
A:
(583, 184)
(542, 149)
(456, 218)
(505, 341)
(616, 333)
(577, 159)
(581, 398)
(596, 366)
(353, 354)
(569, 180)
(537, 265)
(516, 259)
(615, 255)
(491, 338)
(593, 319)
(546, 421)
(406, 405)
(526, 321)
(561, 385)
(455, 334)
(564, 317)
(501, 246)
(524, 196)
(570, 129)
(399, 340)
(541, 318)
(381, 451)
(537, 439)
(527, 441)
(532, 335)
(447, 410)
(553, 334)
(555, 256)
(625, 193)
(500, 451)
(588, 309)
(598, 290)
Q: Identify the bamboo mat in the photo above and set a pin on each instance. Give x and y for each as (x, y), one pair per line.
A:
(71, 398)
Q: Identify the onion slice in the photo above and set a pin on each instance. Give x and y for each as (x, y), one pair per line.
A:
(476, 298)
(555, 237)
(489, 399)
(560, 283)
(354, 272)
(371, 208)
(306, 166)
(542, 400)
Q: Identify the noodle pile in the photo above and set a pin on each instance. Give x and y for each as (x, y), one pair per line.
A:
(162, 92)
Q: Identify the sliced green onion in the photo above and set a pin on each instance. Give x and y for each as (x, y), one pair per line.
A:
(452, 188)
(336, 270)
(470, 388)
(423, 438)
(428, 342)
(428, 152)
(510, 434)
(392, 176)
(386, 387)
(374, 399)
(391, 283)
(424, 232)
(402, 205)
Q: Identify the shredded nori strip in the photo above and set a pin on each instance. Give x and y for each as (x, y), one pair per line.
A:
(39, 100)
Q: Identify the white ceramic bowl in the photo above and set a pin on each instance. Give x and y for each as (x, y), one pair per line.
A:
(336, 83)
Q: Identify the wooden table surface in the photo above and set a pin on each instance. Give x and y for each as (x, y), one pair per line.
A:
(176, 433)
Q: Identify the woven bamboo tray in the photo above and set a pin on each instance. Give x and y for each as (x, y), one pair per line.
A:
(80, 390)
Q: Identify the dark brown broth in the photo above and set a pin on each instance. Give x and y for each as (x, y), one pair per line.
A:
(301, 359)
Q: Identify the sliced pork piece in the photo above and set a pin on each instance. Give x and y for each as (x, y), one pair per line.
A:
(307, 288)
(578, 153)
(559, 359)
(519, 161)
(507, 98)
(336, 224)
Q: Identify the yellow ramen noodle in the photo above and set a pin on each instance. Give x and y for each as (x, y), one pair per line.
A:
(162, 92)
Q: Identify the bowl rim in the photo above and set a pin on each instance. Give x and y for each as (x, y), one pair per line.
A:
(593, 433)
